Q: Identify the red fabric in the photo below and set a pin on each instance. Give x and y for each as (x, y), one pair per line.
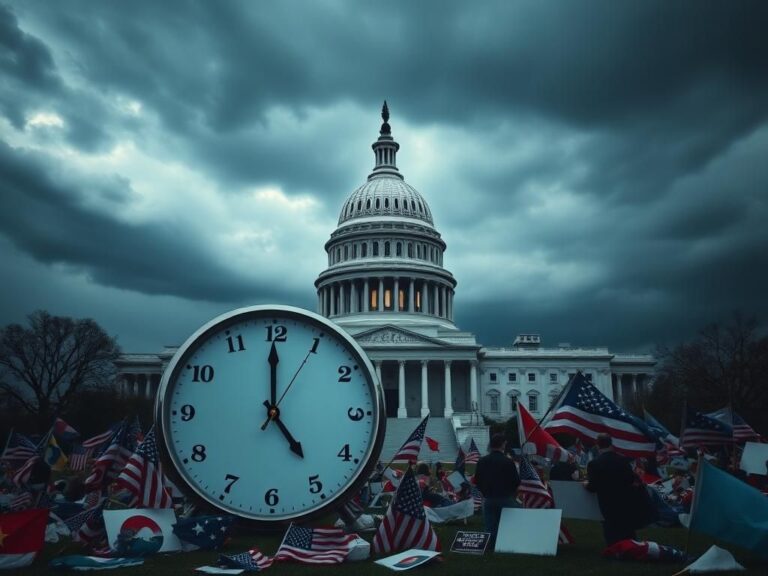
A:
(546, 445)
(433, 445)
(23, 532)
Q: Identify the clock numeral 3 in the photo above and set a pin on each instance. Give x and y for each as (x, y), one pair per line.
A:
(345, 372)
(232, 479)
(187, 412)
(315, 486)
(271, 497)
(231, 344)
(356, 415)
(202, 373)
(276, 333)
(198, 453)
(345, 454)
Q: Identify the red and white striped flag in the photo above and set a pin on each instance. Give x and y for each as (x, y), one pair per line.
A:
(21, 501)
(315, 545)
(78, 459)
(143, 476)
(473, 454)
(21, 476)
(405, 524)
(409, 451)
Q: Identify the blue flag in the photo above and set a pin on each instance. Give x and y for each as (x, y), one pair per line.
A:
(728, 509)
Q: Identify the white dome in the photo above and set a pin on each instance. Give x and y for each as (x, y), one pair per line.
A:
(385, 195)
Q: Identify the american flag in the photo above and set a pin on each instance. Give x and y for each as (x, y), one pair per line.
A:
(112, 457)
(534, 494)
(405, 524)
(473, 454)
(409, 451)
(78, 459)
(315, 545)
(252, 560)
(100, 439)
(21, 501)
(583, 411)
(21, 476)
(87, 526)
(702, 430)
(742, 432)
(63, 432)
(143, 476)
(18, 450)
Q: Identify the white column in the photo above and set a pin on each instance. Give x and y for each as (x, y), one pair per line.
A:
(136, 385)
(473, 383)
(381, 295)
(401, 411)
(333, 299)
(396, 303)
(320, 302)
(352, 296)
(411, 304)
(148, 391)
(634, 385)
(444, 311)
(436, 297)
(424, 389)
(618, 390)
(424, 307)
(448, 391)
(342, 307)
(366, 297)
(377, 364)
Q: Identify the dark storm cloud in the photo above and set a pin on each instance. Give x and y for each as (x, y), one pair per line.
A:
(46, 217)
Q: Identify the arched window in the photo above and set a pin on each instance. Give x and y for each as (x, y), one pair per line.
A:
(386, 202)
(553, 394)
(378, 203)
(396, 206)
(354, 251)
(513, 396)
(418, 250)
(359, 205)
(368, 204)
(533, 401)
(399, 249)
(386, 249)
(338, 254)
(375, 249)
(413, 206)
(410, 250)
(346, 252)
(364, 250)
(493, 401)
(421, 208)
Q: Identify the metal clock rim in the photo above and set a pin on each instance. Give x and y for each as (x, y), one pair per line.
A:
(166, 452)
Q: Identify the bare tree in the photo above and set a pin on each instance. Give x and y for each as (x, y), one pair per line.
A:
(44, 366)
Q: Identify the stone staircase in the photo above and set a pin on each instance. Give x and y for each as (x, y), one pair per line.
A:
(439, 429)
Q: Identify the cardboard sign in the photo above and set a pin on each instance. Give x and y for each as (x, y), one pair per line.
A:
(407, 560)
(754, 458)
(456, 479)
(529, 531)
(575, 501)
(470, 542)
(141, 531)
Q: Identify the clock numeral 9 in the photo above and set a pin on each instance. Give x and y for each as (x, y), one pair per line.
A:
(202, 373)
(271, 497)
(198, 453)
(345, 454)
(345, 372)
(276, 333)
(187, 412)
(315, 486)
(232, 479)
(356, 415)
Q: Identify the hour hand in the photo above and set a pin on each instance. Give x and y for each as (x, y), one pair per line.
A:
(273, 360)
(273, 413)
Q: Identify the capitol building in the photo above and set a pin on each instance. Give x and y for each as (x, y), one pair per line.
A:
(386, 285)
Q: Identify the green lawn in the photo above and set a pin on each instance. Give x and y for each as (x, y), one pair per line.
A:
(581, 558)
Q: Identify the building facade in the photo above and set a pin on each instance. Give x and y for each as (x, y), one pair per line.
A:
(386, 285)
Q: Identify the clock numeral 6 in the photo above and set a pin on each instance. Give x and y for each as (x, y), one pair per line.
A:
(276, 333)
(345, 372)
(345, 453)
(356, 415)
(202, 373)
(315, 486)
(271, 497)
(232, 479)
(198, 453)
(187, 412)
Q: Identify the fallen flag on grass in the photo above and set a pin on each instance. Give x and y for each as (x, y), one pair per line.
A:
(250, 561)
(203, 532)
(643, 550)
(315, 545)
(21, 537)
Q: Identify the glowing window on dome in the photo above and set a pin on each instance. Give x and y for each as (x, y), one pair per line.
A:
(418, 251)
(346, 252)
(401, 299)
(338, 254)
(375, 248)
(387, 251)
(387, 298)
(374, 298)
(418, 300)
(399, 249)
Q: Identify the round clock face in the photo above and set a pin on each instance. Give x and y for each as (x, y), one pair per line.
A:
(271, 413)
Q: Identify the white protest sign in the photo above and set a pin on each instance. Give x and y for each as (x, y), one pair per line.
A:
(456, 479)
(754, 458)
(407, 560)
(575, 501)
(529, 531)
(141, 531)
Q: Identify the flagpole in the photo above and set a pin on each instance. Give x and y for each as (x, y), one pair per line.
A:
(7, 442)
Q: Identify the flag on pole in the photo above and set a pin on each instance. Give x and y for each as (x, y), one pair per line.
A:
(54, 456)
(702, 430)
(315, 545)
(21, 476)
(112, 457)
(409, 451)
(18, 450)
(432, 443)
(78, 459)
(21, 537)
(742, 432)
(729, 509)
(585, 412)
(64, 433)
(535, 440)
(661, 433)
(405, 525)
(143, 477)
(87, 526)
(473, 454)
(100, 439)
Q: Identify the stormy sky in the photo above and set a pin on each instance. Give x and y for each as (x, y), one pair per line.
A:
(599, 170)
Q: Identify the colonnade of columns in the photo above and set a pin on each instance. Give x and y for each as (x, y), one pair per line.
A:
(637, 379)
(139, 384)
(448, 406)
(386, 294)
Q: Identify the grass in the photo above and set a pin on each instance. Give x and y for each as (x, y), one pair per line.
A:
(581, 558)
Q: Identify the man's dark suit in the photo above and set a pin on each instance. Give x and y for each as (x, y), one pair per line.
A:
(612, 479)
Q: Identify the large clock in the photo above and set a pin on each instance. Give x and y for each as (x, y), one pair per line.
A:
(271, 413)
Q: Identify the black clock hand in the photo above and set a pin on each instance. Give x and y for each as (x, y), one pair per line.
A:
(270, 416)
(274, 414)
(273, 361)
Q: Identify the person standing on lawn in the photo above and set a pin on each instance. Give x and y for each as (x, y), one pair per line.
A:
(497, 479)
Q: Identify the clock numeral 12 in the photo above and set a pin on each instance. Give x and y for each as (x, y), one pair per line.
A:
(276, 333)
(231, 344)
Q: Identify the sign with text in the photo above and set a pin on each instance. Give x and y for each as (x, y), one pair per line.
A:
(470, 542)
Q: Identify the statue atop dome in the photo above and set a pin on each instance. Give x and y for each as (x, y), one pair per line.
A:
(385, 128)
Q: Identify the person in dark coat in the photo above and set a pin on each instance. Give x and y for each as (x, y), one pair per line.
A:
(620, 493)
(497, 479)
